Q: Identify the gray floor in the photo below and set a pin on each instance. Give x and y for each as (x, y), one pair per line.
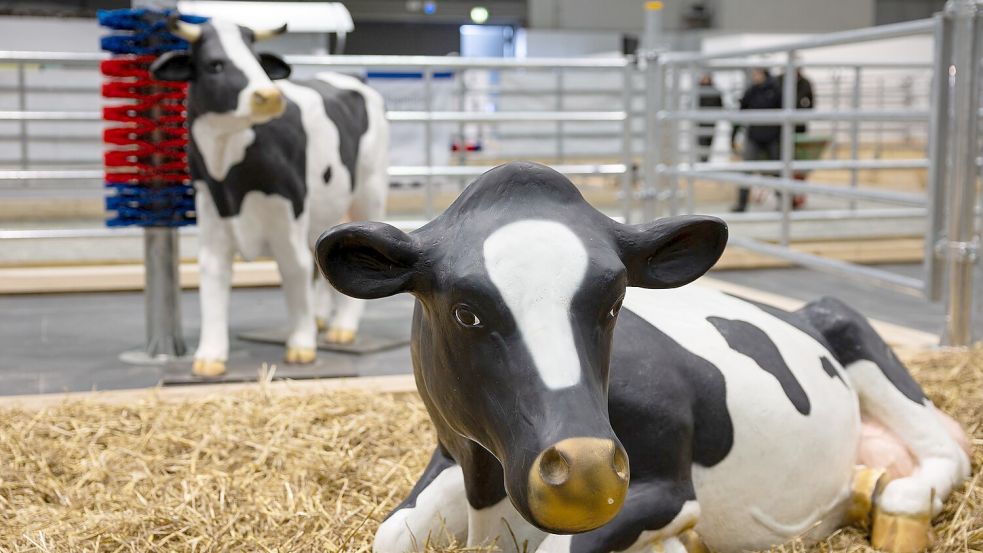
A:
(72, 342)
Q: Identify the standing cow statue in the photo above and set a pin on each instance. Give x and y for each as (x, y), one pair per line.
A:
(555, 348)
(270, 163)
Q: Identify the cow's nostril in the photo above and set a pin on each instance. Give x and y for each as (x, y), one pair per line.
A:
(554, 468)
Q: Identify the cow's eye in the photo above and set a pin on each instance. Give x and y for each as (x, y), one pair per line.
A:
(216, 67)
(616, 308)
(465, 317)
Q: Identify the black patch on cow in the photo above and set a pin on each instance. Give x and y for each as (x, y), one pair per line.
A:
(851, 339)
(749, 340)
(346, 109)
(274, 164)
(794, 318)
(831, 370)
(327, 175)
(217, 80)
(650, 505)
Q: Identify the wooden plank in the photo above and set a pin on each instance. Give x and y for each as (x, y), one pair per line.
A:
(102, 278)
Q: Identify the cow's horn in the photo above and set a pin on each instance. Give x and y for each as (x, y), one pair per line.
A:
(187, 31)
(263, 34)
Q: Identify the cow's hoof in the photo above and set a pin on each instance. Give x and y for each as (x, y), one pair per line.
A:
(300, 355)
(322, 324)
(692, 542)
(901, 533)
(867, 483)
(208, 368)
(340, 336)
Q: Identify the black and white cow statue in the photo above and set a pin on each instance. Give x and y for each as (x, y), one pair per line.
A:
(270, 163)
(554, 348)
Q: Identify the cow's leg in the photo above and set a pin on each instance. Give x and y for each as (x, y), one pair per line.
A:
(433, 513)
(369, 204)
(660, 513)
(296, 264)
(215, 251)
(888, 394)
(322, 302)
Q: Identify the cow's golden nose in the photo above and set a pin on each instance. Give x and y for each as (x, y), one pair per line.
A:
(578, 484)
(267, 101)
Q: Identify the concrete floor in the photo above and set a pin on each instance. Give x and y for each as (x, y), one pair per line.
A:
(72, 342)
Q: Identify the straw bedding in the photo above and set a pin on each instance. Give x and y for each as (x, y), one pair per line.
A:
(261, 471)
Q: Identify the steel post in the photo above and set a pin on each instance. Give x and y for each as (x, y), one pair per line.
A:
(934, 264)
(162, 293)
(961, 245)
(626, 144)
(855, 127)
(788, 143)
(428, 208)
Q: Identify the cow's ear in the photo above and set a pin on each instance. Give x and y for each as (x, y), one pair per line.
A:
(274, 66)
(369, 260)
(672, 251)
(173, 66)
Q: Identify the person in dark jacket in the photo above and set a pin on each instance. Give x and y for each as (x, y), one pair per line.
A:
(762, 142)
(804, 98)
(709, 98)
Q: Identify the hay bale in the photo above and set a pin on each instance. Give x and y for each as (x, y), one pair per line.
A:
(264, 472)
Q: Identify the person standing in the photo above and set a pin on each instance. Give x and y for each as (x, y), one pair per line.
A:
(761, 142)
(804, 99)
(709, 97)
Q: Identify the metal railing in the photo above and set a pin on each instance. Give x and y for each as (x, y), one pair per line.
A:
(950, 125)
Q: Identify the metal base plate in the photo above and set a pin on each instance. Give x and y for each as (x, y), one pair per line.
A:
(247, 366)
(365, 342)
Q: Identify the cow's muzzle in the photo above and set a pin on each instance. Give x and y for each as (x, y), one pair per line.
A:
(578, 484)
(267, 102)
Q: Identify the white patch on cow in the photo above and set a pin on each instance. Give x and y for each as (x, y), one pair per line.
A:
(502, 524)
(230, 36)
(538, 267)
(439, 512)
(784, 466)
(323, 141)
(942, 463)
(221, 140)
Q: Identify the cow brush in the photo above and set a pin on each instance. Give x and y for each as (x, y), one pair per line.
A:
(146, 138)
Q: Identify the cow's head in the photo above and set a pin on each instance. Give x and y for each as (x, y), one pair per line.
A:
(519, 285)
(227, 76)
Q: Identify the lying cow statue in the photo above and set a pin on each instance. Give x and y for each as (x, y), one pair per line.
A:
(270, 163)
(546, 377)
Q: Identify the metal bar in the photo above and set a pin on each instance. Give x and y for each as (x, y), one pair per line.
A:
(749, 217)
(52, 175)
(834, 133)
(427, 141)
(822, 189)
(50, 116)
(855, 128)
(743, 65)
(879, 127)
(693, 140)
(878, 277)
(800, 116)
(652, 154)
(788, 144)
(673, 150)
(559, 108)
(936, 152)
(66, 58)
(961, 181)
(812, 165)
(450, 62)
(162, 293)
(474, 170)
(22, 106)
(503, 116)
(626, 146)
(919, 26)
